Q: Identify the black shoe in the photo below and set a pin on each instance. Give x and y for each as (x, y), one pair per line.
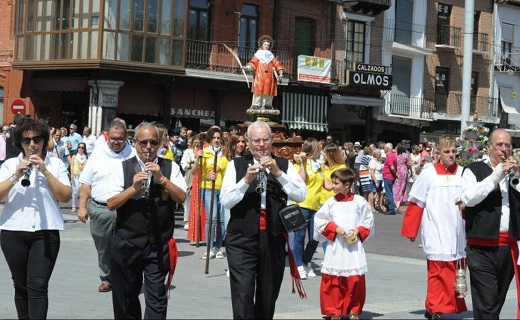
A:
(389, 213)
(437, 316)
(255, 107)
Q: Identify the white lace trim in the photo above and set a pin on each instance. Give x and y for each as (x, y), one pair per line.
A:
(343, 272)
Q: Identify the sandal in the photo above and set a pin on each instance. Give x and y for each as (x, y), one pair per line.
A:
(353, 316)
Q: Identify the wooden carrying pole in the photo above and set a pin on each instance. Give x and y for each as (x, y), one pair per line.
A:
(198, 227)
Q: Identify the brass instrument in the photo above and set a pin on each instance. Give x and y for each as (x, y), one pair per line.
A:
(27, 173)
(145, 187)
(513, 176)
(261, 179)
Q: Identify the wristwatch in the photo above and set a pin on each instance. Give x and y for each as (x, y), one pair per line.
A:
(13, 180)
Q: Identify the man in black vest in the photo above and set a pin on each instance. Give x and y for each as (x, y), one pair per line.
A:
(142, 241)
(255, 242)
(492, 226)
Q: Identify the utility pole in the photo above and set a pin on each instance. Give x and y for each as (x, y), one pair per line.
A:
(469, 12)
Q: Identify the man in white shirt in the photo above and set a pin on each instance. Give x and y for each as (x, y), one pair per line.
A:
(89, 139)
(255, 229)
(95, 190)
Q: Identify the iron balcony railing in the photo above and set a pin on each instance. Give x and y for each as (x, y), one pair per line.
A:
(406, 33)
(448, 36)
(214, 57)
(450, 104)
(413, 107)
(480, 42)
(507, 60)
(210, 56)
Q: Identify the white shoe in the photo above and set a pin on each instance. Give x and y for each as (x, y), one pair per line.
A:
(211, 254)
(219, 254)
(227, 273)
(186, 226)
(303, 274)
(310, 271)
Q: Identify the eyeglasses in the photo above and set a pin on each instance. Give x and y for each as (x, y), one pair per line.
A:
(36, 139)
(264, 140)
(502, 145)
(116, 140)
(152, 142)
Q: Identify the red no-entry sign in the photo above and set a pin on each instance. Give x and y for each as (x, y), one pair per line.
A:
(18, 106)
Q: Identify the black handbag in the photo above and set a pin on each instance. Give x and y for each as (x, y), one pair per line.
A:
(292, 218)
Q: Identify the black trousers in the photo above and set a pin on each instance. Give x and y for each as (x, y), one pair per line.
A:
(256, 267)
(491, 270)
(129, 264)
(31, 257)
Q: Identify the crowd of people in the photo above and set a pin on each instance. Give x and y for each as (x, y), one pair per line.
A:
(128, 182)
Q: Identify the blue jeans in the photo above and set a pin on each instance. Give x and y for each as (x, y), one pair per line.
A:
(304, 256)
(217, 224)
(389, 194)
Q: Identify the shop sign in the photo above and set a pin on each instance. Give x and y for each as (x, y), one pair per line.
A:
(191, 113)
(365, 79)
(314, 69)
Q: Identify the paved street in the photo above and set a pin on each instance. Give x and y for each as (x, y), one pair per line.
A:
(395, 281)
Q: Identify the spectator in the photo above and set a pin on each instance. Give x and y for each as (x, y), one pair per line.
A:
(77, 164)
(389, 176)
(3, 150)
(376, 181)
(11, 150)
(89, 140)
(311, 172)
(74, 138)
(401, 180)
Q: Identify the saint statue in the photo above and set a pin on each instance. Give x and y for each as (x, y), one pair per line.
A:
(267, 74)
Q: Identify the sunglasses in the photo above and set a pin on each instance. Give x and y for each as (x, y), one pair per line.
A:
(36, 139)
(152, 142)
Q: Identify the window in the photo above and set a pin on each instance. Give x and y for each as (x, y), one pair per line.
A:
(403, 21)
(141, 31)
(477, 38)
(199, 20)
(248, 31)
(303, 38)
(355, 49)
(1, 98)
(443, 24)
(402, 78)
(507, 42)
(442, 89)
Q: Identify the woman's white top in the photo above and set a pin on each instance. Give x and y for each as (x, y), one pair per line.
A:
(32, 208)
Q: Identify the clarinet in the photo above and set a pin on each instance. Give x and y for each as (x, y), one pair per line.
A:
(27, 173)
(145, 187)
(261, 179)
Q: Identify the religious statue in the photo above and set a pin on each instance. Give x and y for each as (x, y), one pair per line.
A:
(267, 74)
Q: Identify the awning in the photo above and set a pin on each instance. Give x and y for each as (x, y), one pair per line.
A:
(305, 111)
(508, 105)
(357, 100)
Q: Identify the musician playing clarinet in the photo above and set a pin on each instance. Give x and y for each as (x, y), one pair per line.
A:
(435, 207)
(255, 242)
(492, 226)
(147, 188)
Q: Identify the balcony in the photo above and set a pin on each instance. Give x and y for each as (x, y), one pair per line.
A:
(448, 37)
(480, 43)
(372, 7)
(449, 105)
(406, 33)
(213, 60)
(507, 61)
(411, 107)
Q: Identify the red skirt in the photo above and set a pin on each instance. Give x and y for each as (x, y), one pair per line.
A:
(197, 222)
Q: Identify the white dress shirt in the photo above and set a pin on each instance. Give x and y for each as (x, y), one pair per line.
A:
(232, 192)
(32, 208)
